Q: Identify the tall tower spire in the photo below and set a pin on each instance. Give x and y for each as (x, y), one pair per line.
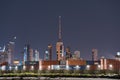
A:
(59, 44)
(60, 34)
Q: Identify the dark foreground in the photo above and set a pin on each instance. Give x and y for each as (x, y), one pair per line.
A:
(56, 78)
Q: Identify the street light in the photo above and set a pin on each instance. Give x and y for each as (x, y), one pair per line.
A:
(49, 67)
(16, 68)
(98, 67)
(10, 68)
(110, 67)
(32, 67)
(67, 67)
(77, 67)
(3, 68)
(24, 67)
(88, 67)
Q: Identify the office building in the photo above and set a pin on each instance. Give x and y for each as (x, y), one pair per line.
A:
(50, 51)
(36, 56)
(68, 53)
(94, 54)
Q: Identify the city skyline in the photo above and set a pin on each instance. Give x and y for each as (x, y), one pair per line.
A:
(85, 25)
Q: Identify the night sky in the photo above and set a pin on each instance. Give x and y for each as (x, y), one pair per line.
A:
(86, 24)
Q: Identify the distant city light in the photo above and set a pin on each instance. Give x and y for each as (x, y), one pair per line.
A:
(24, 67)
(15, 37)
(52, 67)
(88, 67)
(77, 67)
(46, 51)
(118, 53)
(49, 67)
(3, 68)
(110, 67)
(10, 68)
(58, 67)
(32, 67)
(99, 67)
(67, 67)
(16, 67)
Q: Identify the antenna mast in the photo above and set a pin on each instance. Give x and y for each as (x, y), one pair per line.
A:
(60, 36)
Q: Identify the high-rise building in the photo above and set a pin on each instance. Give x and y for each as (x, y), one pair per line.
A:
(28, 53)
(27, 49)
(50, 51)
(68, 53)
(36, 55)
(46, 55)
(3, 56)
(77, 54)
(10, 52)
(31, 55)
(94, 54)
(25, 54)
(59, 44)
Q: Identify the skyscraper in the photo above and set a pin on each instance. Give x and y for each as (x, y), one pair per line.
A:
(25, 54)
(28, 53)
(59, 44)
(10, 52)
(27, 49)
(50, 51)
(31, 55)
(36, 55)
(94, 54)
(68, 53)
(77, 54)
(46, 55)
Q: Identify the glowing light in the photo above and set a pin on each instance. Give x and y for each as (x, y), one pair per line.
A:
(52, 67)
(105, 64)
(3, 68)
(24, 67)
(118, 53)
(99, 67)
(16, 67)
(40, 66)
(10, 68)
(101, 60)
(67, 67)
(110, 67)
(32, 67)
(88, 67)
(77, 67)
(46, 51)
(49, 67)
(58, 67)
(15, 37)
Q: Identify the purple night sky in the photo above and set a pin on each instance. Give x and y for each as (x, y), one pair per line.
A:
(86, 24)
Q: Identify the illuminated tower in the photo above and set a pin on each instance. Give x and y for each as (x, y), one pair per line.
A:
(59, 44)
(36, 55)
(31, 55)
(94, 54)
(10, 52)
(25, 53)
(46, 55)
(29, 52)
